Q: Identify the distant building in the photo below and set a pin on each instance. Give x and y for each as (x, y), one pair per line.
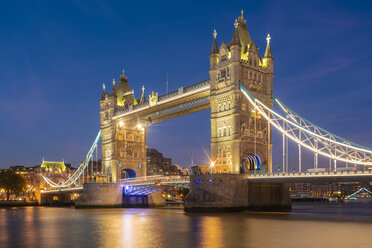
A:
(157, 164)
(326, 189)
(199, 169)
(58, 172)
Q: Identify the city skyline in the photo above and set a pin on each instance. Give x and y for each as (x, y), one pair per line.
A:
(56, 114)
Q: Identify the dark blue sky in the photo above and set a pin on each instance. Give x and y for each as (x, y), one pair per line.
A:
(54, 56)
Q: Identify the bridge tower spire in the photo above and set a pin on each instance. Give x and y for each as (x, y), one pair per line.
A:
(240, 139)
(213, 56)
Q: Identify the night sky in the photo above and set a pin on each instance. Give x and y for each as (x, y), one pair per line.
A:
(55, 55)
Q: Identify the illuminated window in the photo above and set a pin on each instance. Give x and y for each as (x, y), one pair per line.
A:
(223, 73)
(223, 58)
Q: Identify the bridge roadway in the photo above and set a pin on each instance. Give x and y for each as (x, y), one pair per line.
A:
(62, 190)
(295, 177)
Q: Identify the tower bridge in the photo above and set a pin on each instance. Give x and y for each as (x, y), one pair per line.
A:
(236, 132)
(239, 94)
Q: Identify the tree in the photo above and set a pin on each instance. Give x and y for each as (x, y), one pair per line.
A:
(12, 183)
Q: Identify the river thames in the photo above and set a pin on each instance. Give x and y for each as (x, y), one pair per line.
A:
(307, 225)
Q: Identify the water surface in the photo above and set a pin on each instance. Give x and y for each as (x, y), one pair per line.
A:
(308, 225)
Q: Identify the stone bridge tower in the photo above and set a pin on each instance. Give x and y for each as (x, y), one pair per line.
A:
(123, 140)
(240, 139)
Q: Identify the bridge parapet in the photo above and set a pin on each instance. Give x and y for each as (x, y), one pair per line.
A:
(154, 180)
(330, 176)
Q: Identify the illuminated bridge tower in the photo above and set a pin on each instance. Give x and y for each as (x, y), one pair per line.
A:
(240, 139)
(123, 140)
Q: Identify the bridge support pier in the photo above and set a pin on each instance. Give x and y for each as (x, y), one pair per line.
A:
(111, 195)
(269, 196)
(234, 192)
(96, 195)
(154, 199)
(56, 199)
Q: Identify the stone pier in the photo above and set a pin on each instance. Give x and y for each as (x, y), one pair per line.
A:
(100, 195)
(154, 199)
(234, 192)
(111, 195)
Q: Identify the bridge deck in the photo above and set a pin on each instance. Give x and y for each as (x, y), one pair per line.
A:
(183, 181)
(333, 176)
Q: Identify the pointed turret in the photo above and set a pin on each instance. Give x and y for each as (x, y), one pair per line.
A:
(243, 34)
(143, 96)
(213, 56)
(235, 41)
(123, 92)
(236, 44)
(103, 92)
(113, 91)
(268, 53)
(214, 44)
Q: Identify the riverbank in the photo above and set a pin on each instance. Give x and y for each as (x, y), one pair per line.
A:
(8, 204)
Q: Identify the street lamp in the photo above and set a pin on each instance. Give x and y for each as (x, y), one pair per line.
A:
(212, 165)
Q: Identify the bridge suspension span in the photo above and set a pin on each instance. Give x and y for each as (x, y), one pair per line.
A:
(308, 135)
(80, 170)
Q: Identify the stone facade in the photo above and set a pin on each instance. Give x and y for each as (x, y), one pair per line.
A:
(234, 192)
(123, 140)
(100, 195)
(217, 192)
(236, 129)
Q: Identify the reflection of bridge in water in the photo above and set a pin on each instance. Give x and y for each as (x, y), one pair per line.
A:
(240, 96)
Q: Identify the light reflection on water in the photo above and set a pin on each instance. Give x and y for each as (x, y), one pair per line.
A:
(307, 226)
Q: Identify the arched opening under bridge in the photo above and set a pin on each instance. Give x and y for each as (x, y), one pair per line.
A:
(128, 173)
(251, 162)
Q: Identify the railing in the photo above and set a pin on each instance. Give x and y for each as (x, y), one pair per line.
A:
(61, 190)
(312, 174)
(153, 180)
(196, 86)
